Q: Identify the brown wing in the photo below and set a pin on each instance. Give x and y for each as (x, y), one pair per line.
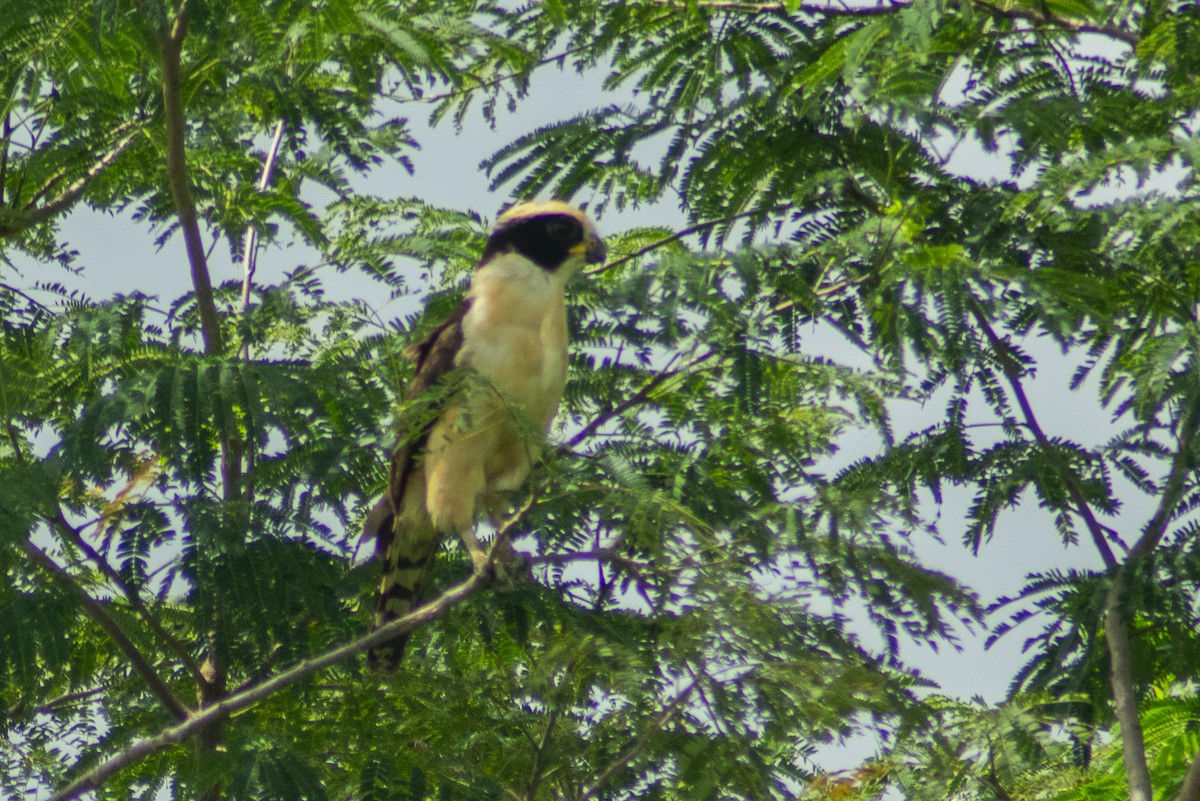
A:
(434, 356)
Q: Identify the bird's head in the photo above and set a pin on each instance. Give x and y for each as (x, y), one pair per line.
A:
(552, 234)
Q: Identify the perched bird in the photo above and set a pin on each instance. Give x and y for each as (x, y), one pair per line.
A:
(510, 335)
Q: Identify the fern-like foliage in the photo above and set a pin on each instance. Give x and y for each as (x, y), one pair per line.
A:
(728, 533)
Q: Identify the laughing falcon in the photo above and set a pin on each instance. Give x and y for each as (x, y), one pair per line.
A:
(510, 335)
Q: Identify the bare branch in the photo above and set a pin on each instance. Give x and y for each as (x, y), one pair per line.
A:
(669, 711)
(707, 225)
(254, 694)
(637, 398)
(171, 47)
(632, 566)
(1120, 672)
(96, 611)
(250, 251)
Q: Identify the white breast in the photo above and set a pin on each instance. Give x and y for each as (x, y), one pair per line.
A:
(515, 332)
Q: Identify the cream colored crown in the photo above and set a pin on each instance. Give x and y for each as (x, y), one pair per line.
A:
(536, 208)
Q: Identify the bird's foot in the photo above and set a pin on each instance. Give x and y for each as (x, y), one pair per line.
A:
(505, 568)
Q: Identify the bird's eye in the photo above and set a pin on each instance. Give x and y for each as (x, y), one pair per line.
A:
(563, 230)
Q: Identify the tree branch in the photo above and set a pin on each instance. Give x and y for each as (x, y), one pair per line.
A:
(1116, 627)
(707, 225)
(22, 710)
(75, 537)
(12, 222)
(1189, 790)
(842, 9)
(96, 611)
(1175, 486)
(254, 694)
(1047, 19)
(1120, 672)
(1012, 374)
(670, 711)
(247, 697)
(539, 754)
(250, 251)
(635, 568)
(171, 48)
(639, 397)
(486, 84)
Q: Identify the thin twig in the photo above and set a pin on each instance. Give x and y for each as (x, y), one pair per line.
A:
(675, 237)
(20, 709)
(1012, 374)
(635, 568)
(508, 76)
(96, 611)
(75, 537)
(670, 711)
(639, 397)
(250, 251)
(32, 214)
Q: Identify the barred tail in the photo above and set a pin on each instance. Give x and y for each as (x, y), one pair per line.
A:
(407, 560)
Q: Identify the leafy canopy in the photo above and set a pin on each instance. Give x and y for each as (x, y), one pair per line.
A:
(719, 591)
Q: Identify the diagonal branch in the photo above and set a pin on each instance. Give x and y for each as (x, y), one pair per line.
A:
(683, 233)
(77, 540)
(256, 693)
(221, 709)
(1012, 374)
(22, 710)
(96, 611)
(669, 712)
(637, 398)
(18, 220)
(1175, 485)
(250, 251)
